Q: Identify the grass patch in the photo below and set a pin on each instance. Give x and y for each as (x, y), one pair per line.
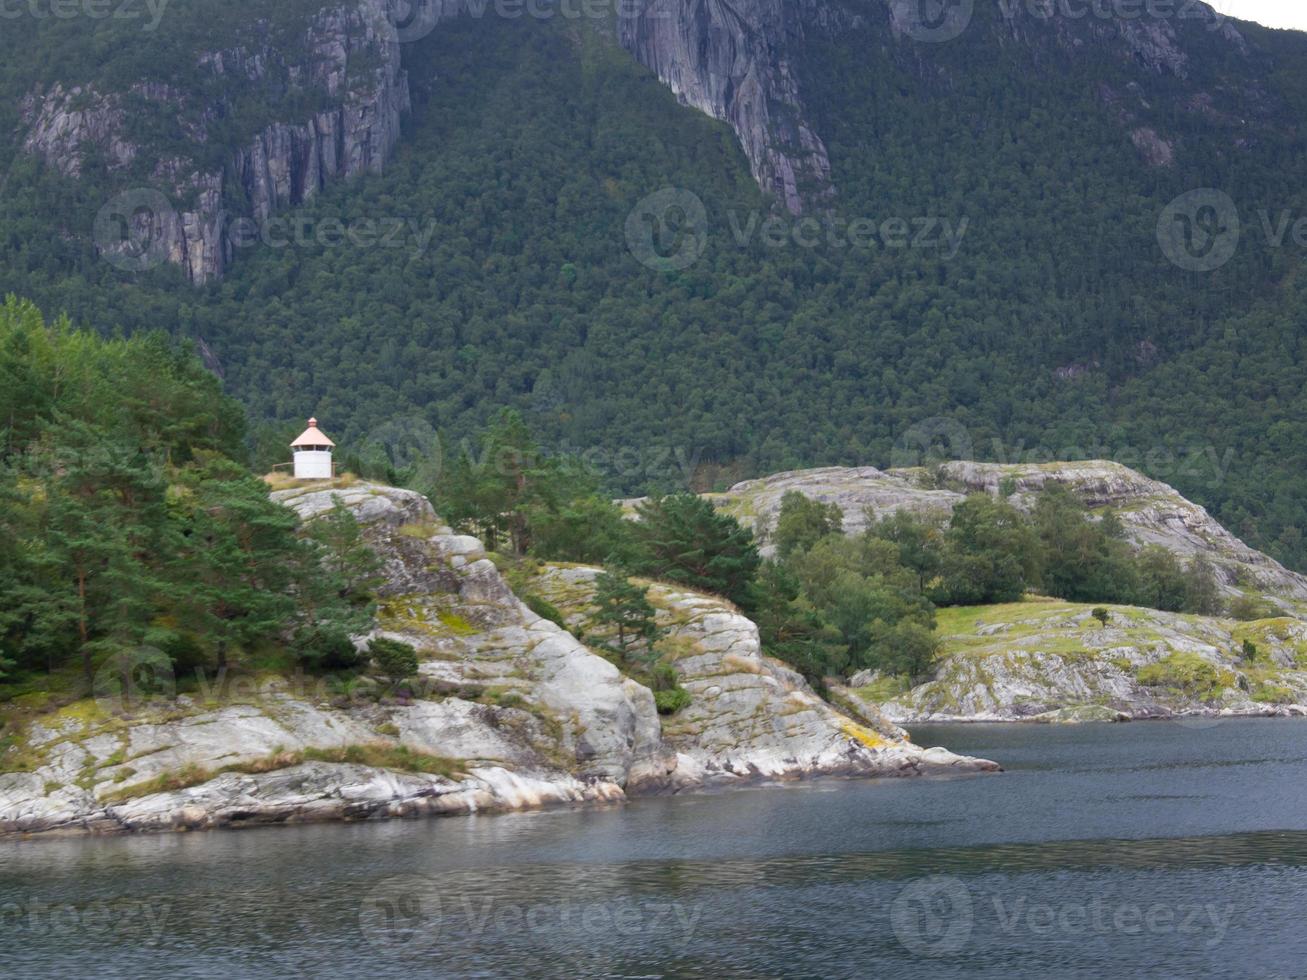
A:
(1186, 674)
(455, 623)
(884, 689)
(1271, 693)
(378, 755)
(421, 531)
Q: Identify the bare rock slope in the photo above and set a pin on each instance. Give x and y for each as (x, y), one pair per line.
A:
(749, 715)
(1152, 512)
(511, 711)
(1053, 661)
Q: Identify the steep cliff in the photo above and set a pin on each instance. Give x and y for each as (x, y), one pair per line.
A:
(735, 62)
(745, 62)
(344, 64)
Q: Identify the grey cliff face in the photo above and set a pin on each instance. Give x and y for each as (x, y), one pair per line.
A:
(740, 61)
(283, 165)
(732, 61)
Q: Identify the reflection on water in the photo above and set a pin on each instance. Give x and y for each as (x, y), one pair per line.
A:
(1134, 850)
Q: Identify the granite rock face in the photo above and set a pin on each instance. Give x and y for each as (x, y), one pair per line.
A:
(1053, 661)
(732, 59)
(1151, 512)
(514, 710)
(751, 716)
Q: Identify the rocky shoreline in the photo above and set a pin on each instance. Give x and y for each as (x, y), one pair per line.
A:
(524, 713)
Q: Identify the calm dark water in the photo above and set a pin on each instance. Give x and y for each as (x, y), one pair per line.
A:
(1143, 850)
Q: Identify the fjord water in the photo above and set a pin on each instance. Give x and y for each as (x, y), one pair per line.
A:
(1150, 849)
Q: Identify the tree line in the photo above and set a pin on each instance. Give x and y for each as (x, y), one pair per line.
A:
(826, 602)
(128, 517)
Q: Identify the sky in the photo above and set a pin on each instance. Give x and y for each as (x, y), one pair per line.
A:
(1272, 13)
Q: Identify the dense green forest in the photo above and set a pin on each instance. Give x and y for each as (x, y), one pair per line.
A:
(128, 520)
(1057, 329)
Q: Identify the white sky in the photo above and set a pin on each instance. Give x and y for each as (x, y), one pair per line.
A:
(1272, 13)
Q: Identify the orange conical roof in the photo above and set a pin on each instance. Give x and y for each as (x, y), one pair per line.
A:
(312, 436)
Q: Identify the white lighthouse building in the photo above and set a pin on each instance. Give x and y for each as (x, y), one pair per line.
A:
(312, 453)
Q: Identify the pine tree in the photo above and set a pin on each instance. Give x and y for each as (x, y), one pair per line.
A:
(240, 558)
(688, 542)
(625, 607)
(343, 553)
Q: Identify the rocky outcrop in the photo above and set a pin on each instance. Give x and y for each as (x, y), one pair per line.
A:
(509, 710)
(750, 716)
(348, 59)
(860, 492)
(1151, 512)
(1054, 661)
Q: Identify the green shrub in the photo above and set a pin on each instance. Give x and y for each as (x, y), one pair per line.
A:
(324, 648)
(544, 609)
(670, 702)
(663, 678)
(395, 659)
(1247, 608)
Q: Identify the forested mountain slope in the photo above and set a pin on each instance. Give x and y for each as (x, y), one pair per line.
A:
(1024, 309)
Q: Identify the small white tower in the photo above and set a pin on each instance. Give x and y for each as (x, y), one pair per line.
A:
(312, 452)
